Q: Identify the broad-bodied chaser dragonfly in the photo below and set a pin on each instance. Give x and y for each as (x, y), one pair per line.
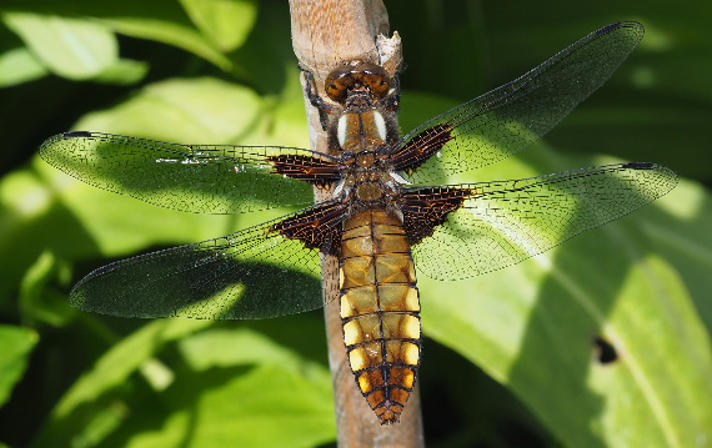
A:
(386, 214)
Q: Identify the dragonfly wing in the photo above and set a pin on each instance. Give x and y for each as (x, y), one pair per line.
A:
(497, 224)
(509, 118)
(259, 272)
(213, 179)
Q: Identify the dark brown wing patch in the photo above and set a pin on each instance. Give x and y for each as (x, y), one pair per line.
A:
(309, 169)
(421, 147)
(318, 227)
(426, 208)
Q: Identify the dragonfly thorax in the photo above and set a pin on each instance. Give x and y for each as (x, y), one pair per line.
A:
(363, 130)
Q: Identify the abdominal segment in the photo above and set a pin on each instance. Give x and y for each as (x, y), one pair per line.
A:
(380, 310)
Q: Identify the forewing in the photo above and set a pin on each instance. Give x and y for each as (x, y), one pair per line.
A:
(255, 273)
(509, 118)
(503, 223)
(214, 179)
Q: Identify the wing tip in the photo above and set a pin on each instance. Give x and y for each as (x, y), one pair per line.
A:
(46, 148)
(76, 134)
(652, 166)
(633, 32)
(635, 26)
(638, 165)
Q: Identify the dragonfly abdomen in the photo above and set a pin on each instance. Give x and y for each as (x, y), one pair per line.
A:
(380, 310)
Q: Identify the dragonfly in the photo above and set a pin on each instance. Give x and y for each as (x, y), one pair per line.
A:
(388, 207)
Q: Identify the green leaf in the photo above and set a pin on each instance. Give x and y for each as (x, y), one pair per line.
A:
(16, 344)
(123, 359)
(123, 71)
(265, 406)
(225, 22)
(159, 20)
(87, 411)
(184, 110)
(168, 32)
(224, 347)
(77, 49)
(73, 48)
(239, 389)
(19, 65)
(94, 222)
(95, 427)
(253, 393)
(532, 327)
(37, 300)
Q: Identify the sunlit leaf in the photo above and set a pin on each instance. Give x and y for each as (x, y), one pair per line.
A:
(284, 401)
(19, 65)
(224, 347)
(16, 344)
(73, 48)
(109, 372)
(123, 359)
(533, 329)
(167, 32)
(158, 20)
(37, 300)
(203, 110)
(228, 399)
(226, 22)
(123, 71)
(266, 406)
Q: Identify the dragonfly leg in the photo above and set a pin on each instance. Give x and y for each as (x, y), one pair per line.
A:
(391, 101)
(314, 98)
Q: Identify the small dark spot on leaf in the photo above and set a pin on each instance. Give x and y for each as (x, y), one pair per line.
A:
(605, 351)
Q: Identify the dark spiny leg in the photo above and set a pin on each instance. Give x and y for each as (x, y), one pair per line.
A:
(314, 98)
(392, 101)
(312, 93)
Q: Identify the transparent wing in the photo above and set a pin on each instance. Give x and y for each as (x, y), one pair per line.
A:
(509, 118)
(251, 274)
(215, 179)
(503, 223)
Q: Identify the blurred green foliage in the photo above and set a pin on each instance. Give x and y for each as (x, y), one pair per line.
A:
(222, 71)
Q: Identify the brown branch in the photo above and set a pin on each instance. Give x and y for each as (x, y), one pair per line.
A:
(326, 33)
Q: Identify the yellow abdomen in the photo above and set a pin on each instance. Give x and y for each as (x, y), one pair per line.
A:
(380, 310)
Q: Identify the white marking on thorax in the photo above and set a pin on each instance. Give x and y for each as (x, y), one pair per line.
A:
(399, 215)
(339, 187)
(398, 178)
(341, 130)
(380, 124)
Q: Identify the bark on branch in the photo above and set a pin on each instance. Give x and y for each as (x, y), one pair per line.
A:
(325, 33)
